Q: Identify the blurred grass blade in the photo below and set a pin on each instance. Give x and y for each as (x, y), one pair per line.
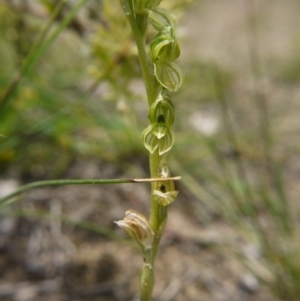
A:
(28, 59)
(35, 48)
(39, 47)
(65, 219)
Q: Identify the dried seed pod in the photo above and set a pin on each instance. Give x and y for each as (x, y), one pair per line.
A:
(137, 227)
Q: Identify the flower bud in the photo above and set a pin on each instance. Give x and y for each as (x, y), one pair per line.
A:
(169, 75)
(160, 17)
(164, 47)
(137, 227)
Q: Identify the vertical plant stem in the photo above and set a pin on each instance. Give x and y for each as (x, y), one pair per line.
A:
(154, 221)
(154, 165)
(147, 273)
(138, 26)
(140, 43)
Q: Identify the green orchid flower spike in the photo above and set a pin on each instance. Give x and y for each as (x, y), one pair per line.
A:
(161, 77)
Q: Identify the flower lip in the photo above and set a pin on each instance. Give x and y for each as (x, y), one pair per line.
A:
(164, 193)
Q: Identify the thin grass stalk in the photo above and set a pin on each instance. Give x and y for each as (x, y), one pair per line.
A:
(7, 200)
(231, 138)
(249, 195)
(226, 175)
(256, 69)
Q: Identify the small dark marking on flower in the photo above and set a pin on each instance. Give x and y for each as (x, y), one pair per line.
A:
(161, 118)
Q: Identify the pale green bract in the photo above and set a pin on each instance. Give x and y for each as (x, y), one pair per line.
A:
(160, 17)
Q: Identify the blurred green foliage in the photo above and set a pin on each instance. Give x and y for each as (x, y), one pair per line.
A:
(82, 98)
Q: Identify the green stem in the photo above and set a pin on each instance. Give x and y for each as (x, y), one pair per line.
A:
(140, 43)
(146, 282)
(154, 160)
(154, 220)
